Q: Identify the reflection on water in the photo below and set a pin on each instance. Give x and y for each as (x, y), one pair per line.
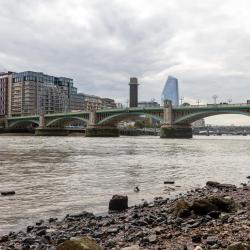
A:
(55, 176)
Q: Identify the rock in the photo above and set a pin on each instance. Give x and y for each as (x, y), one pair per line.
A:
(133, 247)
(29, 229)
(211, 240)
(112, 230)
(118, 203)
(182, 209)
(136, 189)
(238, 246)
(5, 193)
(4, 238)
(152, 238)
(224, 205)
(41, 232)
(203, 207)
(168, 182)
(198, 248)
(214, 214)
(79, 243)
(196, 238)
(218, 185)
(248, 177)
(211, 204)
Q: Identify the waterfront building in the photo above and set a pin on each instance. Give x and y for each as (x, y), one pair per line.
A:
(148, 104)
(35, 93)
(4, 93)
(92, 102)
(133, 92)
(171, 91)
(108, 103)
(74, 99)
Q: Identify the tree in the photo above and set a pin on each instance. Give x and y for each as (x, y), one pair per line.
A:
(139, 124)
(185, 104)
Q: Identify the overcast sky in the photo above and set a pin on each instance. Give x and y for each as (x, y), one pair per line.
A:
(101, 43)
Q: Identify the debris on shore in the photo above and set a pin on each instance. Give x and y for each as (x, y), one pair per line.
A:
(216, 216)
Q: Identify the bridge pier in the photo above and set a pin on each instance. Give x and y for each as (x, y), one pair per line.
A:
(176, 131)
(102, 131)
(51, 132)
(171, 130)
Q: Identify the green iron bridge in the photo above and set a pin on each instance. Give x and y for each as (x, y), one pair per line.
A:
(175, 120)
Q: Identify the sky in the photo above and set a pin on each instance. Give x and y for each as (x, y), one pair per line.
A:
(101, 43)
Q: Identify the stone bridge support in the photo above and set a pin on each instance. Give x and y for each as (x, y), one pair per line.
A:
(171, 130)
(95, 130)
(42, 130)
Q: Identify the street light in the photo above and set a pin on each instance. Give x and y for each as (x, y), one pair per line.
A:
(182, 99)
(215, 98)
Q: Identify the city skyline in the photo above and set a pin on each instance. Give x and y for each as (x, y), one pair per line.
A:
(81, 40)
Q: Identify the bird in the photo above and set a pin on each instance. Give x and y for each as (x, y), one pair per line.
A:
(136, 189)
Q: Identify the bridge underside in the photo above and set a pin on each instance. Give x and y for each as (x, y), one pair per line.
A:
(190, 118)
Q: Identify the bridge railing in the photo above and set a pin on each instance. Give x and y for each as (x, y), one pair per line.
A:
(215, 105)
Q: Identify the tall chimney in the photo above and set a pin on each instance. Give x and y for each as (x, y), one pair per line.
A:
(133, 92)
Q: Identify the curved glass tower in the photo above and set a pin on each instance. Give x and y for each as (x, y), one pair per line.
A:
(171, 91)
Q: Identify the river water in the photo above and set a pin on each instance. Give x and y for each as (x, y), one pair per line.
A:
(53, 176)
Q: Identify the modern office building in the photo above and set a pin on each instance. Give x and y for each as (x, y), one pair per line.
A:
(35, 93)
(171, 91)
(4, 93)
(133, 92)
(67, 85)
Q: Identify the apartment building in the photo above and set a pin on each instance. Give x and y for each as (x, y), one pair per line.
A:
(4, 93)
(108, 103)
(35, 93)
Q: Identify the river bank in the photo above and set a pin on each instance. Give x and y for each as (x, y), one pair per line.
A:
(213, 217)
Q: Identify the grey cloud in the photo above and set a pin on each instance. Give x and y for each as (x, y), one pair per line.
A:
(101, 43)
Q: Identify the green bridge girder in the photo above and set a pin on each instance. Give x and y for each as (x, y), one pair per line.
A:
(181, 114)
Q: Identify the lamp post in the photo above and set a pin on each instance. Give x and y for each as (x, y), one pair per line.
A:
(182, 99)
(215, 98)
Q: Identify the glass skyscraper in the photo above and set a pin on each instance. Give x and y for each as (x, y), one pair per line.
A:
(171, 91)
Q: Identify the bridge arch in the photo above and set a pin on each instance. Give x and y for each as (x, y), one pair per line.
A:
(116, 118)
(24, 123)
(190, 118)
(65, 121)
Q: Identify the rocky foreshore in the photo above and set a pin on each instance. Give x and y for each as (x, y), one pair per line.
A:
(214, 217)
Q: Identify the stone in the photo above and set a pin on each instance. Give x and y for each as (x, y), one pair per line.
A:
(211, 240)
(152, 238)
(224, 205)
(211, 204)
(168, 182)
(214, 214)
(248, 177)
(133, 247)
(112, 230)
(29, 229)
(118, 203)
(4, 238)
(238, 246)
(79, 243)
(198, 248)
(41, 232)
(203, 206)
(196, 238)
(6, 193)
(182, 209)
(218, 185)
